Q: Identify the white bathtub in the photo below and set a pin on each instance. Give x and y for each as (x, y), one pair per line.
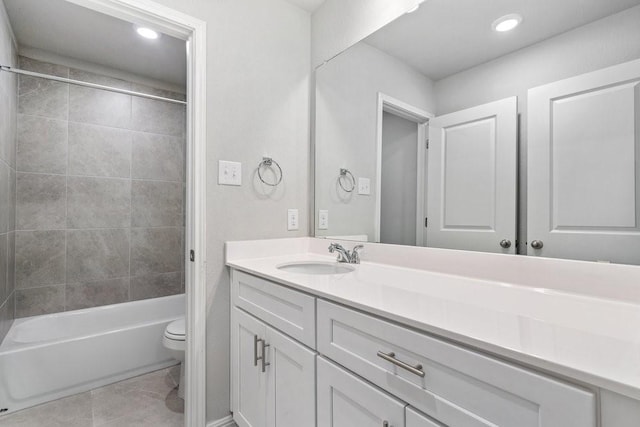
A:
(48, 357)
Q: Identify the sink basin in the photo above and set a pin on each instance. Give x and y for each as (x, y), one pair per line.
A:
(316, 267)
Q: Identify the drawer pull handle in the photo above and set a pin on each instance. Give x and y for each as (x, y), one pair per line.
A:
(391, 357)
(264, 355)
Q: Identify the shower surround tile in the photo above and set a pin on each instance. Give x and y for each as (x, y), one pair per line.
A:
(5, 192)
(97, 254)
(159, 157)
(37, 301)
(156, 204)
(8, 94)
(40, 258)
(42, 145)
(99, 192)
(156, 285)
(97, 293)
(41, 201)
(155, 250)
(98, 202)
(99, 151)
(4, 267)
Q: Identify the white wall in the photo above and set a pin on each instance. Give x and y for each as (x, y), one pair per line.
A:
(346, 115)
(258, 103)
(603, 43)
(339, 24)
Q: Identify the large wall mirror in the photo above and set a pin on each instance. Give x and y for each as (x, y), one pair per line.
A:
(439, 130)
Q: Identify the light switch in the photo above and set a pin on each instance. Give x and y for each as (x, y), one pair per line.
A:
(292, 219)
(364, 186)
(323, 220)
(229, 173)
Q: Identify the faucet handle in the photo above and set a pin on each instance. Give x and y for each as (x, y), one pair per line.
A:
(355, 254)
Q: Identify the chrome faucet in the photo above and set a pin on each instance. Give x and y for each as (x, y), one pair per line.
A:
(344, 255)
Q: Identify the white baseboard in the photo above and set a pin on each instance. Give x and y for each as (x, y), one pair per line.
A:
(222, 422)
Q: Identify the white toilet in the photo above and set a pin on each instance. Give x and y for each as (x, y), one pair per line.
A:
(174, 341)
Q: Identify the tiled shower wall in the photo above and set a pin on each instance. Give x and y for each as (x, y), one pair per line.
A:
(8, 107)
(100, 193)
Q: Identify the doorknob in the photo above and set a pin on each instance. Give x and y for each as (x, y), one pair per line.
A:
(537, 244)
(505, 243)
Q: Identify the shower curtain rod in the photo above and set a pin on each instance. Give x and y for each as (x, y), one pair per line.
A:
(91, 85)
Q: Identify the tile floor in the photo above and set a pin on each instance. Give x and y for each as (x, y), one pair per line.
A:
(149, 400)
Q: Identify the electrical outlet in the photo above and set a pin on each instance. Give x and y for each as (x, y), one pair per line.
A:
(364, 186)
(323, 220)
(292, 219)
(229, 173)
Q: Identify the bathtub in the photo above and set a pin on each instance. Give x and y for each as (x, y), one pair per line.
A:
(47, 357)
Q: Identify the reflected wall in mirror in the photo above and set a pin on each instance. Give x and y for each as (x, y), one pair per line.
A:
(436, 120)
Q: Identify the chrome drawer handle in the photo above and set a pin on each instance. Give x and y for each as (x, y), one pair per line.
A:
(264, 355)
(391, 357)
(256, 340)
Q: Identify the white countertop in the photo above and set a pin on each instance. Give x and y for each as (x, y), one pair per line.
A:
(585, 337)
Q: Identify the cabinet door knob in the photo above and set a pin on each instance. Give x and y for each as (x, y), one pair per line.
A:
(537, 244)
(505, 243)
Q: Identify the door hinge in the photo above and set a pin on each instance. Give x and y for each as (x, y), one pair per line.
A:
(192, 255)
(426, 222)
(426, 145)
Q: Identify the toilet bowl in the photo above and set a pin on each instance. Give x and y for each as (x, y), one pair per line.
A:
(174, 340)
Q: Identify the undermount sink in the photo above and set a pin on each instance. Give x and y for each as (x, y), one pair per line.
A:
(316, 267)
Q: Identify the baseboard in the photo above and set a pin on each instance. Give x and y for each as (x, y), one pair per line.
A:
(222, 422)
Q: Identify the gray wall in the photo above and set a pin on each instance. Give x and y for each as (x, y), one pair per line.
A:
(346, 123)
(100, 193)
(8, 108)
(603, 43)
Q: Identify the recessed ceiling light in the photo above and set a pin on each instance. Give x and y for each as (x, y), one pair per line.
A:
(147, 33)
(507, 22)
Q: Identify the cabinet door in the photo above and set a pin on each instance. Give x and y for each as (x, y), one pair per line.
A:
(248, 381)
(347, 401)
(291, 382)
(471, 197)
(417, 419)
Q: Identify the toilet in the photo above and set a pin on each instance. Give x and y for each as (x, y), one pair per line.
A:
(174, 341)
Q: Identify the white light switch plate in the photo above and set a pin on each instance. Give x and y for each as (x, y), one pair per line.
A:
(323, 220)
(292, 219)
(229, 173)
(364, 186)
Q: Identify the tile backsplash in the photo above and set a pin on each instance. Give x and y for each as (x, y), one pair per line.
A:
(100, 184)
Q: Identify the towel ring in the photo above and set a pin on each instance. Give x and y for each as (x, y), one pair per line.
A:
(269, 162)
(343, 173)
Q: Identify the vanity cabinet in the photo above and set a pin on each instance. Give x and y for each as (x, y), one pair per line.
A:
(273, 375)
(416, 419)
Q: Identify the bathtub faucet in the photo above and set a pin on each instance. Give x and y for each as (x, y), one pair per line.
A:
(344, 255)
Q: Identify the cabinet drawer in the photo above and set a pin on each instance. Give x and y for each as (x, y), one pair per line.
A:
(416, 419)
(292, 312)
(347, 401)
(460, 387)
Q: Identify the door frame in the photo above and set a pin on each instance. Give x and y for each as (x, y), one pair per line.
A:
(194, 32)
(389, 104)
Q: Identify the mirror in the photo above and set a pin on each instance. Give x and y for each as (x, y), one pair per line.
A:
(431, 131)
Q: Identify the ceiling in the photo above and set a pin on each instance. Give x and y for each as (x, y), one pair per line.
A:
(308, 5)
(444, 37)
(73, 31)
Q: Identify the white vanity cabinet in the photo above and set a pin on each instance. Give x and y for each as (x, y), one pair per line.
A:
(273, 375)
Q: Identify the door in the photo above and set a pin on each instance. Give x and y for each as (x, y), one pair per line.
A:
(291, 382)
(418, 419)
(583, 157)
(471, 197)
(248, 381)
(347, 401)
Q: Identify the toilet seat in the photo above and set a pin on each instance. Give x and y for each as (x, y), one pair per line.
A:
(175, 330)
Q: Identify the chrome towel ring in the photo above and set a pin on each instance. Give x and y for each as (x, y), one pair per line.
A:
(343, 176)
(268, 162)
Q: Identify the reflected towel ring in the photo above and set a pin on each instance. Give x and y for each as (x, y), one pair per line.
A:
(269, 162)
(343, 173)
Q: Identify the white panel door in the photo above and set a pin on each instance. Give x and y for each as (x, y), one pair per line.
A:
(291, 382)
(471, 197)
(583, 180)
(248, 381)
(346, 401)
